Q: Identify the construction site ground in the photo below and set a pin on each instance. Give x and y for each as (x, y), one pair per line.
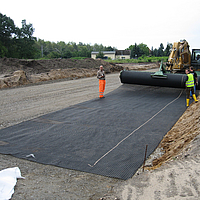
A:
(171, 172)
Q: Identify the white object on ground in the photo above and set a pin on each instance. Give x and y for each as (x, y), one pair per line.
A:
(30, 155)
(8, 180)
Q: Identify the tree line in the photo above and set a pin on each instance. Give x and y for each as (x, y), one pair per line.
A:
(19, 43)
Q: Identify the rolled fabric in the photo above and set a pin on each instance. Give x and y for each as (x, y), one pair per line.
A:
(148, 78)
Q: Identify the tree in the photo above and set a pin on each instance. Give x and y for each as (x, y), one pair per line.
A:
(3, 50)
(144, 50)
(71, 49)
(155, 52)
(152, 51)
(109, 48)
(25, 41)
(83, 51)
(134, 51)
(100, 55)
(53, 54)
(160, 50)
(167, 50)
(7, 31)
(67, 54)
(16, 42)
(98, 47)
(139, 50)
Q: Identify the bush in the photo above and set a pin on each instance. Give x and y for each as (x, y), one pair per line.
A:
(78, 58)
(141, 59)
(149, 60)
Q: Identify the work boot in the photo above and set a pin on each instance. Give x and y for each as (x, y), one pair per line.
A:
(187, 101)
(194, 97)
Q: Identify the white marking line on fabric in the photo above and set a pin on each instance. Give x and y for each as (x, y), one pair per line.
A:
(135, 130)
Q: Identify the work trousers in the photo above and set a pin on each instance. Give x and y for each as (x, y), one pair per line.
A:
(102, 85)
(194, 91)
(188, 90)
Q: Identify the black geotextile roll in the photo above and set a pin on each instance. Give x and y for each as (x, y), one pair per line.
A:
(101, 136)
(145, 78)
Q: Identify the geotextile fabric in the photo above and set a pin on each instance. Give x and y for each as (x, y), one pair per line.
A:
(101, 136)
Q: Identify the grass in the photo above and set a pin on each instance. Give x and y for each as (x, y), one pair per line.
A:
(138, 60)
(141, 60)
(78, 58)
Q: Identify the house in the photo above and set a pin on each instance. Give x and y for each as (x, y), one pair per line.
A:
(107, 54)
(118, 54)
(123, 54)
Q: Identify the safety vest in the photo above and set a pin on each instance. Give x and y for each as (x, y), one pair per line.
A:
(190, 81)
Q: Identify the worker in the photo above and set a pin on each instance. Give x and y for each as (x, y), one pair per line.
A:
(189, 87)
(195, 79)
(102, 81)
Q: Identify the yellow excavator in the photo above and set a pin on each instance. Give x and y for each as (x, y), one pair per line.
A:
(171, 73)
(179, 59)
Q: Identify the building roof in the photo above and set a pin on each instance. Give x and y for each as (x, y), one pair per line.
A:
(104, 52)
(117, 52)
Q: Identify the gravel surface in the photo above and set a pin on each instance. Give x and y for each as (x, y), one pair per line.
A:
(24, 103)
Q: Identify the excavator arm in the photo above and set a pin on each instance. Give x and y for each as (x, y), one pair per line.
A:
(180, 56)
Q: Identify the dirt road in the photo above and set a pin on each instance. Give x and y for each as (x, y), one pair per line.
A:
(23, 103)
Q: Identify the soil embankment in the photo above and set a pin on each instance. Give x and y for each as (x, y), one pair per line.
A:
(16, 72)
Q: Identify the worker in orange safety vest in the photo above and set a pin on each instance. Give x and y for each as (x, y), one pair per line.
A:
(102, 81)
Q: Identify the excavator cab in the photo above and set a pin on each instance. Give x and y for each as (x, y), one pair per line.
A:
(195, 59)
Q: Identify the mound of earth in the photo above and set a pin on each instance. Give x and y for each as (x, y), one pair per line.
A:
(140, 66)
(15, 72)
(182, 133)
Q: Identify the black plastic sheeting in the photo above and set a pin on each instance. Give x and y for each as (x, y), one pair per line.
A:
(101, 136)
(145, 78)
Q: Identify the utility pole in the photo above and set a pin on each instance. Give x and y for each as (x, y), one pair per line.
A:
(42, 50)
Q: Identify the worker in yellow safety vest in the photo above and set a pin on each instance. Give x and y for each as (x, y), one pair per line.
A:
(102, 81)
(189, 87)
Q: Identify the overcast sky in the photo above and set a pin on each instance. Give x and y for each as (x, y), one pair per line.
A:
(109, 22)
